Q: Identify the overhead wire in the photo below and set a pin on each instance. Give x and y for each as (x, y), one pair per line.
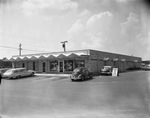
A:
(27, 45)
(22, 48)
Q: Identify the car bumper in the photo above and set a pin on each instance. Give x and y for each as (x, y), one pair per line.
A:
(6, 76)
(75, 78)
(106, 73)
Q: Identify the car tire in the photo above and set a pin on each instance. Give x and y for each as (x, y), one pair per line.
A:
(9, 77)
(91, 76)
(19, 76)
(82, 78)
(72, 80)
(32, 74)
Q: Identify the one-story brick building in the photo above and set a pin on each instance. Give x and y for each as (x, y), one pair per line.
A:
(65, 62)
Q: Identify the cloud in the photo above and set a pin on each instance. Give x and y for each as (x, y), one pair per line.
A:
(99, 22)
(130, 27)
(96, 42)
(84, 12)
(76, 28)
(48, 6)
(91, 32)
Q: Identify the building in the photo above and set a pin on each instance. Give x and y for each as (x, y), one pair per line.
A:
(5, 64)
(65, 62)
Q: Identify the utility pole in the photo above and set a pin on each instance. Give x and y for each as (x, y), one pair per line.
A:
(20, 49)
(63, 45)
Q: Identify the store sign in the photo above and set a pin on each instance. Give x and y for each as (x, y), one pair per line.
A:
(115, 72)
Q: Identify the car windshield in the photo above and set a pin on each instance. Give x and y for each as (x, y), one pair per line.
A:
(107, 67)
(76, 70)
(9, 71)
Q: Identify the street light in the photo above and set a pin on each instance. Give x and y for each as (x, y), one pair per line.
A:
(63, 45)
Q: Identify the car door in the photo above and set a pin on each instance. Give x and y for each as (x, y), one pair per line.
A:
(83, 73)
(23, 73)
(16, 73)
(26, 73)
(86, 73)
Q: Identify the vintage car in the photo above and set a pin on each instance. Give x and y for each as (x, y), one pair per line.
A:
(17, 73)
(106, 70)
(3, 70)
(81, 73)
(145, 67)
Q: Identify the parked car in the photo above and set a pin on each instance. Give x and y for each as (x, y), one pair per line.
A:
(18, 73)
(106, 70)
(3, 70)
(81, 73)
(145, 67)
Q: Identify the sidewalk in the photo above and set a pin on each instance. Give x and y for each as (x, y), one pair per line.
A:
(56, 75)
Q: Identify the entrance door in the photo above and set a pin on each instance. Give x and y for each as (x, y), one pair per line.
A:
(61, 66)
(34, 65)
(44, 65)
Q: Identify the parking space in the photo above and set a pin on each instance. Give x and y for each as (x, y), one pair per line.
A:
(125, 96)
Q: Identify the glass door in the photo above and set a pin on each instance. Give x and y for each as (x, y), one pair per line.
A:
(61, 66)
(44, 66)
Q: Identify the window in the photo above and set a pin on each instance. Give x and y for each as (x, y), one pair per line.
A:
(79, 63)
(22, 70)
(68, 65)
(23, 65)
(53, 65)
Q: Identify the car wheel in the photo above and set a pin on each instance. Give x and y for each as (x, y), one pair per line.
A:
(19, 76)
(9, 77)
(91, 76)
(72, 80)
(32, 74)
(82, 78)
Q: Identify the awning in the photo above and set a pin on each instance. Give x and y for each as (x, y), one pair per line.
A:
(42, 57)
(135, 60)
(25, 59)
(73, 55)
(106, 58)
(18, 59)
(61, 56)
(115, 59)
(33, 58)
(123, 59)
(50, 56)
(53, 55)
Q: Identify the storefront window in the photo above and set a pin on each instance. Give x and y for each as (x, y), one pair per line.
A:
(68, 65)
(53, 65)
(79, 63)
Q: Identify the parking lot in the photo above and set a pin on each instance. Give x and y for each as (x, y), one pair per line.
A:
(126, 96)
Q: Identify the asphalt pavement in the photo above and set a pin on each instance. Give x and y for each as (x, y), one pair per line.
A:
(126, 96)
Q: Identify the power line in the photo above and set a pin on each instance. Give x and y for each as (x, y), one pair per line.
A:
(35, 50)
(14, 35)
(22, 49)
(8, 47)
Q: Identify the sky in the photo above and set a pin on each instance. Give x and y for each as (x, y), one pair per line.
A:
(117, 26)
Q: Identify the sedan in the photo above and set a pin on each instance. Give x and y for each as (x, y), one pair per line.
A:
(80, 73)
(18, 73)
(107, 70)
